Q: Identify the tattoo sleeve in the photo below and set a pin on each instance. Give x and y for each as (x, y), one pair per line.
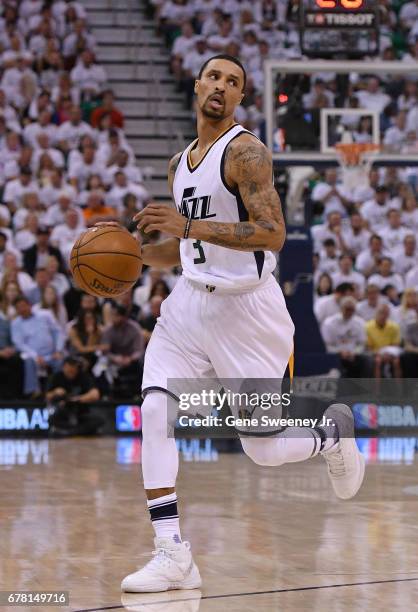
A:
(248, 166)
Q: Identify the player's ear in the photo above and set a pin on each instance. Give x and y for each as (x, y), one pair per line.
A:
(196, 86)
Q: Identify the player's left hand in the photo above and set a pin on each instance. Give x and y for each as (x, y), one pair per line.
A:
(158, 217)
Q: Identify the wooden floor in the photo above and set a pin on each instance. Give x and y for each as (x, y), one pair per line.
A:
(72, 517)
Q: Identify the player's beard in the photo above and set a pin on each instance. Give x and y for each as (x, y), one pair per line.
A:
(212, 113)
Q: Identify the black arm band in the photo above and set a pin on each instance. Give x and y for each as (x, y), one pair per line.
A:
(187, 228)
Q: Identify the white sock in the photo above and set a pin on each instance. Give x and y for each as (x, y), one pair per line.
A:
(160, 460)
(164, 517)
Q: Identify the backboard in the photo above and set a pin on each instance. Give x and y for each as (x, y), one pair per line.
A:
(338, 125)
(303, 140)
(299, 135)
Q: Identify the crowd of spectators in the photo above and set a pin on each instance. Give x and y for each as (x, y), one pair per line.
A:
(65, 164)
(366, 272)
(365, 254)
(269, 29)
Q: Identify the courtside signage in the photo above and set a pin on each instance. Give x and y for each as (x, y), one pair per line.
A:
(23, 419)
(128, 418)
(375, 416)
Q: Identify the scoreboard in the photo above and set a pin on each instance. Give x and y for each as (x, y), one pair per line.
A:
(345, 4)
(339, 28)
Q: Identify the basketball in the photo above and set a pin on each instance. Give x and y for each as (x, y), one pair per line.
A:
(106, 261)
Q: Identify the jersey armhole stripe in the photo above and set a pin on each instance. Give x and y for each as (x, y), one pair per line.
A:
(259, 256)
(222, 166)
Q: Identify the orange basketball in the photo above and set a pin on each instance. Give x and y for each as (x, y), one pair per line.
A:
(106, 261)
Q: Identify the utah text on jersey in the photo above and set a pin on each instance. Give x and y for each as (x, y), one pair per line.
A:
(201, 192)
(195, 208)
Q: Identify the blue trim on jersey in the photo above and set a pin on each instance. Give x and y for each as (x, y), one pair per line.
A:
(259, 256)
(196, 166)
(222, 168)
(242, 211)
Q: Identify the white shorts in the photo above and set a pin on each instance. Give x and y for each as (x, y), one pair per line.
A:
(223, 335)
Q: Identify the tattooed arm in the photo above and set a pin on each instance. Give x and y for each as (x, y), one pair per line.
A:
(248, 169)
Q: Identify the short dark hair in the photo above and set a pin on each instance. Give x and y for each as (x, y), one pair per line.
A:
(375, 237)
(344, 287)
(72, 361)
(386, 290)
(21, 298)
(229, 58)
(329, 242)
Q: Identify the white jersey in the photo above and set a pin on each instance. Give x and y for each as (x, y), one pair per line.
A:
(201, 192)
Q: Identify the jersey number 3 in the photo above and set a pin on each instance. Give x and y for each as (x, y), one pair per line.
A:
(201, 258)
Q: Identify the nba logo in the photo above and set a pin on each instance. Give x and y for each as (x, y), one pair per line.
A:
(365, 416)
(128, 418)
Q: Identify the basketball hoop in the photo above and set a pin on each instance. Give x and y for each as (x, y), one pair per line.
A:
(356, 159)
(352, 153)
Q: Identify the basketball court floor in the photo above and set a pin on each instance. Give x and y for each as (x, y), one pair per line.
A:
(73, 518)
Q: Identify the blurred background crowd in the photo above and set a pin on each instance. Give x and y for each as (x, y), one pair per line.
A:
(64, 165)
(364, 240)
(269, 29)
(366, 271)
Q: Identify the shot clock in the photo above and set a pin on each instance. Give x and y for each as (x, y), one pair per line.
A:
(346, 4)
(339, 28)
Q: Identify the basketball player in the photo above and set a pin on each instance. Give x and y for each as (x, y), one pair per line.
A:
(226, 315)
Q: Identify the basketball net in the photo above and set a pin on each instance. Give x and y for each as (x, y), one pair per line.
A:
(356, 159)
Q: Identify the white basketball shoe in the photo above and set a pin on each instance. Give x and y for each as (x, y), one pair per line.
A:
(345, 463)
(172, 567)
